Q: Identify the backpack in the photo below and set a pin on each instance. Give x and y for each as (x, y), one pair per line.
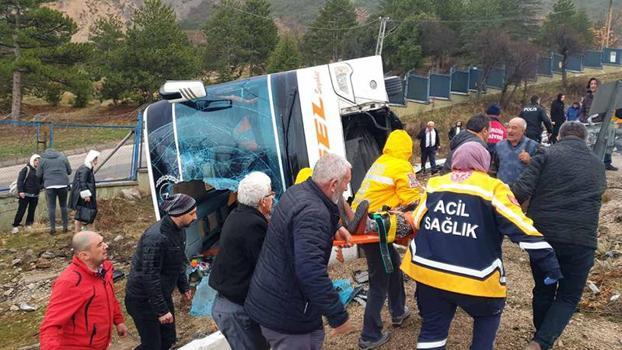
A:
(13, 185)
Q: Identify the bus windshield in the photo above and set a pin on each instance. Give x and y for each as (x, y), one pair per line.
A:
(220, 142)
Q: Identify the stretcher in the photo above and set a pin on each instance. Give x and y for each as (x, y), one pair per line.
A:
(358, 239)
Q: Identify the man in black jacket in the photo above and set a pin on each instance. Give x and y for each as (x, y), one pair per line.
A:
(476, 131)
(158, 266)
(28, 188)
(555, 182)
(535, 116)
(290, 290)
(241, 239)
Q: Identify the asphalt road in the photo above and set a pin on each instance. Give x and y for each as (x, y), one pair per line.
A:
(117, 167)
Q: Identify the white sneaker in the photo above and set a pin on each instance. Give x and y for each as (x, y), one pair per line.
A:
(15, 230)
(29, 228)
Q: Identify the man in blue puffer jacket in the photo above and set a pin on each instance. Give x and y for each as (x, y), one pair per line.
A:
(290, 290)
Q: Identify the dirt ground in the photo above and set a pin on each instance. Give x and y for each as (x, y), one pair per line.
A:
(598, 324)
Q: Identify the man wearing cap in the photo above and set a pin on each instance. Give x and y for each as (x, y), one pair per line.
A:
(496, 131)
(158, 266)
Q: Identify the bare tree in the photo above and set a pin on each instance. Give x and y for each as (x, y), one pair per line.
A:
(521, 64)
(489, 48)
(567, 31)
(438, 41)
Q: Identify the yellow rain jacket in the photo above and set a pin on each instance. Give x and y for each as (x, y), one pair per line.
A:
(303, 175)
(391, 180)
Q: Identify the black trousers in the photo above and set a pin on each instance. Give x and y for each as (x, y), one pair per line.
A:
(22, 204)
(153, 334)
(428, 153)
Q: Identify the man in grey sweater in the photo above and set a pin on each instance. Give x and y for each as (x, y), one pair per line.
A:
(54, 170)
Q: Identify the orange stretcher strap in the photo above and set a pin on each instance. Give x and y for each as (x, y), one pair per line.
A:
(358, 239)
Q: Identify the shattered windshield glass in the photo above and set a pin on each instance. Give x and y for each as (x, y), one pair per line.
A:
(221, 146)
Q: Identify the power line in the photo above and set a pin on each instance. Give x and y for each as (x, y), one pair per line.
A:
(492, 20)
(308, 27)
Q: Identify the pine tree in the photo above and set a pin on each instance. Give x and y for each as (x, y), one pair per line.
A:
(285, 56)
(36, 53)
(326, 39)
(108, 40)
(225, 35)
(402, 49)
(261, 34)
(156, 50)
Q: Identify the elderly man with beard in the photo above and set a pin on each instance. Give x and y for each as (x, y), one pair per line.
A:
(241, 239)
(158, 266)
(290, 290)
(514, 154)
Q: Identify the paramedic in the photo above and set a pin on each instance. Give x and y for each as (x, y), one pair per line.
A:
(455, 256)
(390, 182)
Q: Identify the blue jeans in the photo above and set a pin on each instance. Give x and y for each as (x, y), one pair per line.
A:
(241, 332)
(381, 284)
(554, 305)
(438, 307)
(607, 160)
(51, 195)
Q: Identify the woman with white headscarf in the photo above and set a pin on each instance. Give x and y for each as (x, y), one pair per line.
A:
(28, 186)
(83, 192)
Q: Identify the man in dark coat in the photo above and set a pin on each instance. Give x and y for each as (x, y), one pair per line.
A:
(430, 142)
(477, 128)
(555, 182)
(241, 239)
(28, 188)
(290, 290)
(158, 266)
(54, 171)
(455, 130)
(558, 116)
(535, 116)
(83, 190)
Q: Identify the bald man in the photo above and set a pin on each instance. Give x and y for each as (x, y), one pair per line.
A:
(513, 154)
(429, 141)
(83, 307)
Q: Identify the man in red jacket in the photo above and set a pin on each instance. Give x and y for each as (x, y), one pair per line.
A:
(497, 131)
(83, 306)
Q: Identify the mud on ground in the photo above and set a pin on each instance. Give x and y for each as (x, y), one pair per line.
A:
(597, 326)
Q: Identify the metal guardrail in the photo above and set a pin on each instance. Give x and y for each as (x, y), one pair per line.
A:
(34, 136)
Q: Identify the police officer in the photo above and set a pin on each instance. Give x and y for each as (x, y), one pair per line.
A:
(535, 116)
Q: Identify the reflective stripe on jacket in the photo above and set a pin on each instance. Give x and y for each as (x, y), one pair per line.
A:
(461, 226)
(391, 180)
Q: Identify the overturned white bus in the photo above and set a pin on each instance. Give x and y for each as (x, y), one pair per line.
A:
(203, 141)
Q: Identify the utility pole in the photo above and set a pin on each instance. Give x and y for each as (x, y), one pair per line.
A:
(608, 25)
(381, 34)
